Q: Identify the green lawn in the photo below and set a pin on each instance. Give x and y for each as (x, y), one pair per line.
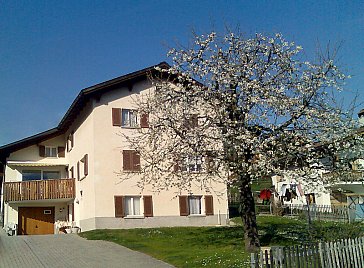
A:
(221, 246)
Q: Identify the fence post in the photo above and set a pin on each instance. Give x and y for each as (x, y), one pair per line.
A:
(254, 260)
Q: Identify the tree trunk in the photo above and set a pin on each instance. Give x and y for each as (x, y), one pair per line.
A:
(247, 210)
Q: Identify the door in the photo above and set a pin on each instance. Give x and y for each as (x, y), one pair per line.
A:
(35, 220)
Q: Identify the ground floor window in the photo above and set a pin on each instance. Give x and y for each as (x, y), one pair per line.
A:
(132, 205)
(194, 204)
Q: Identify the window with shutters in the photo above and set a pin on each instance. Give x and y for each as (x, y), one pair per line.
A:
(83, 167)
(129, 118)
(131, 160)
(51, 151)
(133, 206)
(193, 204)
(191, 121)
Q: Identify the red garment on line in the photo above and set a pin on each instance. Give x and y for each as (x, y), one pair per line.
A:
(265, 194)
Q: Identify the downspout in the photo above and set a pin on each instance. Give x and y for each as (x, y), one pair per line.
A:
(2, 195)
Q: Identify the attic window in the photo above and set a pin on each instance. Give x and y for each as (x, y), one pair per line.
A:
(50, 151)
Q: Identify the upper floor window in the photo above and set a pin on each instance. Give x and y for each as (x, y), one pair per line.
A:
(192, 164)
(129, 118)
(191, 121)
(82, 167)
(50, 151)
(131, 160)
(31, 175)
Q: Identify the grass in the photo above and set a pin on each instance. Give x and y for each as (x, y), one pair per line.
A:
(222, 246)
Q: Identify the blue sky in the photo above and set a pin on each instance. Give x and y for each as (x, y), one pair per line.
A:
(50, 50)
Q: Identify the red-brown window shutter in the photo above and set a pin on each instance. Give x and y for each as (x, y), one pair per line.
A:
(144, 121)
(61, 152)
(41, 151)
(116, 117)
(119, 206)
(136, 161)
(148, 206)
(85, 165)
(183, 205)
(209, 205)
(177, 165)
(131, 160)
(71, 138)
(127, 160)
(72, 175)
(194, 121)
(78, 171)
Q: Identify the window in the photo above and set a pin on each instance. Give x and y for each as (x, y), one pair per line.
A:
(82, 168)
(129, 118)
(192, 164)
(132, 205)
(191, 121)
(192, 205)
(129, 206)
(50, 151)
(131, 160)
(31, 175)
(51, 175)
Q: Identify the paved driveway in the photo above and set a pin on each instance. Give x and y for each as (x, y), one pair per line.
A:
(69, 250)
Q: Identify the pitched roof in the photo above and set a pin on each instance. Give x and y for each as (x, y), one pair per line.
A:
(81, 99)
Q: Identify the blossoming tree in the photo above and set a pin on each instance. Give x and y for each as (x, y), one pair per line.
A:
(235, 109)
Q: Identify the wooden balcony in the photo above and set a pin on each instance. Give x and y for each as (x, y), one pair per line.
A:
(39, 190)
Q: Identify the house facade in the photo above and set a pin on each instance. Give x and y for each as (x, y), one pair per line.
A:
(70, 173)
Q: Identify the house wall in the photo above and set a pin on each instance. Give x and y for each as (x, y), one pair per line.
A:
(94, 135)
(108, 162)
(84, 141)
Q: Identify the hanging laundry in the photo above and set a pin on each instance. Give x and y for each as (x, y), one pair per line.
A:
(299, 188)
(283, 190)
(288, 195)
(265, 195)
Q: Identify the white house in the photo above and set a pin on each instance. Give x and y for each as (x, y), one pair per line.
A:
(69, 173)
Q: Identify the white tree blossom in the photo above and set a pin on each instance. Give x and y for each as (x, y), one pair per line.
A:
(234, 109)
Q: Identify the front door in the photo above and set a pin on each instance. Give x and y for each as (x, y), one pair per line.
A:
(36, 220)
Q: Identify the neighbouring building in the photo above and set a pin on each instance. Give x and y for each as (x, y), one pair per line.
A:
(69, 173)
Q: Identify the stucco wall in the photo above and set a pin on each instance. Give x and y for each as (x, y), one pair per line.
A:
(84, 140)
(108, 162)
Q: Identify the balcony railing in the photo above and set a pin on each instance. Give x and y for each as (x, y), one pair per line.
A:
(39, 190)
